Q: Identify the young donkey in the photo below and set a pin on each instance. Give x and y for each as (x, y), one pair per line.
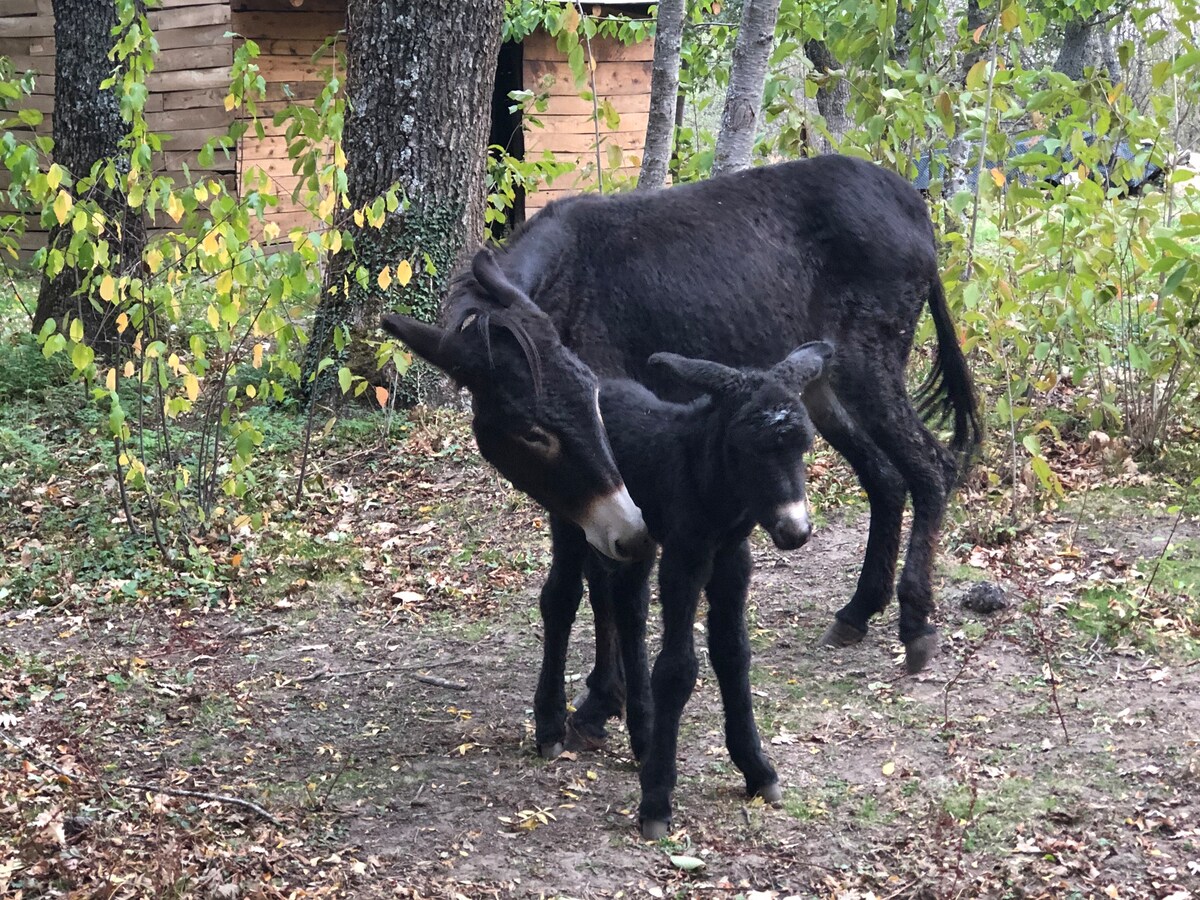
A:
(703, 475)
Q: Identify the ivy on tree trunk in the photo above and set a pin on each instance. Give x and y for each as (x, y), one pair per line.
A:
(418, 98)
(743, 99)
(664, 91)
(88, 129)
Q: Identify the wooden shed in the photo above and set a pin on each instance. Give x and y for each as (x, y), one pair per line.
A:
(192, 73)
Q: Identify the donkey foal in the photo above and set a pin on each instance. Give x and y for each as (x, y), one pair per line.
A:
(703, 475)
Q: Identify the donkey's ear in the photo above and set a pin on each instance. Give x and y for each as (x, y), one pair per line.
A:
(804, 364)
(495, 283)
(434, 345)
(709, 377)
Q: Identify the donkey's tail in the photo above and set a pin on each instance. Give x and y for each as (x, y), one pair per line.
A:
(949, 391)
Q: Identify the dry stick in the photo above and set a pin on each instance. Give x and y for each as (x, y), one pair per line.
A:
(595, 100)
(108, 783)
(427, 679)
(1037, 626)
(1163, 554)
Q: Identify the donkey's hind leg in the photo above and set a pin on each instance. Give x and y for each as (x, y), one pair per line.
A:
(874, 391)
(885, 492)
(604, 698)
(559, 602)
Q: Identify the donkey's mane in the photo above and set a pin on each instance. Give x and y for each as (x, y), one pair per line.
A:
(468, 310)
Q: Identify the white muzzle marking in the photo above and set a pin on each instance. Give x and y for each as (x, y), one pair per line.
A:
(614, 526)
(796, 514)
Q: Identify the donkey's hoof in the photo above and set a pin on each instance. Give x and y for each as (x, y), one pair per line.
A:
(655, 829)
(584, 739)
(771, 793)
(919, 651)
(550, 751)
(839, 634)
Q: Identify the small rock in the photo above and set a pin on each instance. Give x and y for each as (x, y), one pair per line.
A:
(986, 597)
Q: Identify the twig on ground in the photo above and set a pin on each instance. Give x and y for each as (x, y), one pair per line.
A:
(354, 673)
(439, 682)
(1037, 627)
(254, 632)
(158, 789)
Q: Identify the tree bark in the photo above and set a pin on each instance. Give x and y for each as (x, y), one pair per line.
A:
(664, 91)
(1073, 55)
(744, 97)
(958, 153)
(1108, 54)
(833, 95)
(902, 35)
(87, 129)
(418, 93)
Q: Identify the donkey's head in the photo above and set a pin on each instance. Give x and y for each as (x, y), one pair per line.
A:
(767, 431)
(537, 419)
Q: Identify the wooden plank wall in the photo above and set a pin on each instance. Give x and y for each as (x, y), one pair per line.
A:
(288, 37)
(187, 87)
(622, 78)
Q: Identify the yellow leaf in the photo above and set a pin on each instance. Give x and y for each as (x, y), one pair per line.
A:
(271, 231)
(213, 317)
(62, 207)
(108, 288)
(257, 356)
(570, 20)
(225, 281)
(211, 244)
(128, 371)
(54, 176)
(174, 208)
(110, 380)
(977, 75)
(326, 206)
(230, 102)
(889, 768)
(154, 259)
(998, 177)
(122, 323)
(251, 391)
(76, 330)
(977, 36)
(192, 385)
(403, 273)
(235, 560)
(1009, 18)
(385, 278)
(359, 218)
(381, 395)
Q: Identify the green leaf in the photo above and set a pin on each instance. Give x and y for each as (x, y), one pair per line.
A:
(344, 379)
(687, 863)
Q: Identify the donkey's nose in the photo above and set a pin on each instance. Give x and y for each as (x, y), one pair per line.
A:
(792, 527)
(638, 546)
(614, 526)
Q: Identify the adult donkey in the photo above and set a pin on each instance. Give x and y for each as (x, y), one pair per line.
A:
(739, 269)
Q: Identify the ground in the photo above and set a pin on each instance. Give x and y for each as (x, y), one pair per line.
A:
(362, 672)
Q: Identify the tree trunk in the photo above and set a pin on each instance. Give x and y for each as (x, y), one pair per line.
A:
(664, 90)
(902, 35)
(833, 94)
(1073, 55)
(87, 129)
(743, 99)
(418, 94)
(958, 153)
(1108, 54)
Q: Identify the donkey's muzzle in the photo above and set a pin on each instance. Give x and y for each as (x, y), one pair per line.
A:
(615, 527)
(792, 526)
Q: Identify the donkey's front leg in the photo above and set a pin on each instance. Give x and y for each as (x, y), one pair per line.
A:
(604, 698)
(729, 653)
(559, 602)
(631, 606)
(681, 575)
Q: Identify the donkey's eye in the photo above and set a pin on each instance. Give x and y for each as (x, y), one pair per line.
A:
(542, 442)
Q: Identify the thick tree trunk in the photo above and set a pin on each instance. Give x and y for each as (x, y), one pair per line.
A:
(902, 35)
(88, 128)
(1073, 55)
(743, 99)
(664, 91)
(418, 94)
(833, 95)
(1112, 63)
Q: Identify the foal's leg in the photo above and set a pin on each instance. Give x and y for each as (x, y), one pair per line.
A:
(885, 492)
(680, 576)
(605, 695)
(631, 606)
(729, 653)
(875, 391)
(559, 602)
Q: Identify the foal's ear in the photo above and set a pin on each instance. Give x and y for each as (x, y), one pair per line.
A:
(497, 285)
(804, 364)
(702, 374)
(434, 345)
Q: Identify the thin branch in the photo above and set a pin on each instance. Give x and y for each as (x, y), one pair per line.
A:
(1045, 644)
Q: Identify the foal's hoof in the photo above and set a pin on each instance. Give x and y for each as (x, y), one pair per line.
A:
(550, 751)
(655, 829)
(839, 634)
(919, 651)
(771, 793)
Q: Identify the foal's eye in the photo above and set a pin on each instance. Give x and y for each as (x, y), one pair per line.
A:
(540, 441)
